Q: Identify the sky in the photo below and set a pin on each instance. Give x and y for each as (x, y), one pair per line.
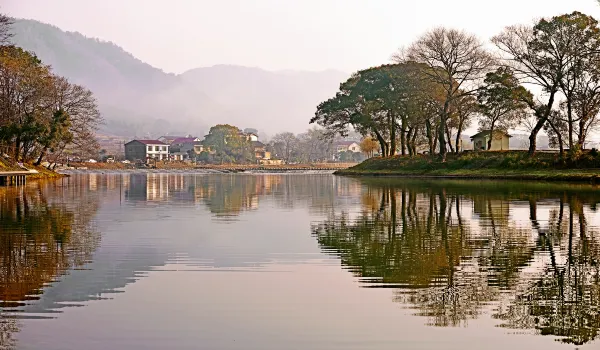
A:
(346, 35)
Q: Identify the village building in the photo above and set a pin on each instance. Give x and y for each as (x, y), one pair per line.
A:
(183, 148)
(260, 151)
(345, 146)
(145, 150)
(500, 141)
(184, 144)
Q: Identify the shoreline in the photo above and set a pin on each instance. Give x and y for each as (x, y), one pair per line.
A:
(479, 165)
(556, 176)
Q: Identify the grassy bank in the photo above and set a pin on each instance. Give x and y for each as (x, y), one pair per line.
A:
(485, 165)
(43, 173)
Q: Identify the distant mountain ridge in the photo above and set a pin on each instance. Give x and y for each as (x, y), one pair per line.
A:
(138, 99)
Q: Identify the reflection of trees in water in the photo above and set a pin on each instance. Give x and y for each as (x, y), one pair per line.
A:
(45, 232)
(230, 195)
(8, 329)
(416, 239)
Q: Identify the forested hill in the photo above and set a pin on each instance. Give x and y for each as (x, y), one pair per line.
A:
(136, 98)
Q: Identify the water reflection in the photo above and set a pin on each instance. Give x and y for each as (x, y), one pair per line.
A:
(453, 250)
(230, 195)
(41, 238)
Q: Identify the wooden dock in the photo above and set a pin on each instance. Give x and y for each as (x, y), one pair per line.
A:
(17, 178)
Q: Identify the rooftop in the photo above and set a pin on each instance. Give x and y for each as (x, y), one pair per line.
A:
(345, 143)
(184, 140)
(148, 142)
(487, 132)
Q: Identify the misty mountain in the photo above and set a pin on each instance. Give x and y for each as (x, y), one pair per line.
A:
(137, 99)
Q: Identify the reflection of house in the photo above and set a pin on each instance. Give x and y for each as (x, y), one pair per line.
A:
(146, 149)
(157, 187)
(500, 141)
(345, 146)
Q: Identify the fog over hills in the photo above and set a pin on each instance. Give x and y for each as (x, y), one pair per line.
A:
(137, 99)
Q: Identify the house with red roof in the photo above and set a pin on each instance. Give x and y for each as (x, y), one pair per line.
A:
(144, 150)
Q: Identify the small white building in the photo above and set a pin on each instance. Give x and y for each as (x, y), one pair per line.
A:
(344, 146)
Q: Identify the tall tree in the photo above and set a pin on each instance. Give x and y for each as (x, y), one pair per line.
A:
(285, 144)
(228, 143)
(502, 101)
(457, 62)
(24, 84)
(546, 55)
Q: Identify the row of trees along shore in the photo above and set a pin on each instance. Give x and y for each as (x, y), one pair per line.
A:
(42, 115)
(437, 86)
(228, 145)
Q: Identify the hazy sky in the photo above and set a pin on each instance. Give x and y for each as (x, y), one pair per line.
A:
(347, 35)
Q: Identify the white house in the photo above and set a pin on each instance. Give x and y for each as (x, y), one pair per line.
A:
(344, 146)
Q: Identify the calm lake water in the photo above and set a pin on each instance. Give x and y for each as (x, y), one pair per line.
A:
(163, 261)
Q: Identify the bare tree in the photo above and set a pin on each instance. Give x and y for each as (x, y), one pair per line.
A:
(546, 55)
(285, 144)
(457, 61)
(5, 29)
(84, 118)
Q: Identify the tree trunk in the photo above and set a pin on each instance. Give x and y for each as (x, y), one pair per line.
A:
(41, 157)
(458, 140)
(17, 148)
(560, 139)
(382, 143)
(407, 142)
(403, 136)
(541, 121)
(413, 141)
(489, 143)
(442, 136)
(429, 133)
(392, 121)
(570, 118)
(443, 126)
(449, 140)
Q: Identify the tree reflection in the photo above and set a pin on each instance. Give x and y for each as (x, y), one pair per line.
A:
(415, 238)
(563, 297)
(40, 240)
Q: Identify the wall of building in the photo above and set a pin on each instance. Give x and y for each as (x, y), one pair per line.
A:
(498, 144)
(135, 150)
(160, 152)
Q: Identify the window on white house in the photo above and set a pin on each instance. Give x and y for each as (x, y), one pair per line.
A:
(164, 148)
(149, 148)
(156, 148)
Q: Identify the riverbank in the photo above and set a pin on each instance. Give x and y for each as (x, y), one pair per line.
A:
(38, 172)
(183, 166)
(513, 165)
